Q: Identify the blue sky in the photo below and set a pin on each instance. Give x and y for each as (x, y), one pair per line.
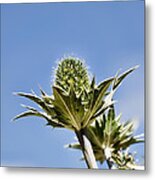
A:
(108, 35)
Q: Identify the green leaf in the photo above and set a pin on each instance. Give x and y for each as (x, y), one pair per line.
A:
(98, 130)
(91, 135)
(27, 113)
(28, 107)
(55, 124)
(96, 101)
(76, 106)
(128, 142)
(62, 104)
(110, 128)
(36, 99)
(38, 114)
(107, 103)
(119, 79)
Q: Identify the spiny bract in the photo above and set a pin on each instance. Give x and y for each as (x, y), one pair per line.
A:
(71, 71)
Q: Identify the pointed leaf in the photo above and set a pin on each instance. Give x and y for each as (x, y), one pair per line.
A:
(62, 104)
(36, 99)
(119, 79)
(97, 100)
(93, 83)
(26, 114)
(39, 114)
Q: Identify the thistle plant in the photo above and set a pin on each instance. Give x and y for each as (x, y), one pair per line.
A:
(76, 103)
(110, 139)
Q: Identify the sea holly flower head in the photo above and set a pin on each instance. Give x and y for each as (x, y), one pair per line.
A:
(72, 71)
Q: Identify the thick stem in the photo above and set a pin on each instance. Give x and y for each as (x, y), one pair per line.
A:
(87, 150)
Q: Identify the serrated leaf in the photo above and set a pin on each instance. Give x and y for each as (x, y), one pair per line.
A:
(61, 103)
(107, 103)
(96, 101)
(36, 99)
(50, 121)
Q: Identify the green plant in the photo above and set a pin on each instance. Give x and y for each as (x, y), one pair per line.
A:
(76, 103)
(110, 139)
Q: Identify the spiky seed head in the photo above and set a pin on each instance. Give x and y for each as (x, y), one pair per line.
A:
(71, 71)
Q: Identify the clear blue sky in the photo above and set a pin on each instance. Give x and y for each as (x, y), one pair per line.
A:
(108, 35)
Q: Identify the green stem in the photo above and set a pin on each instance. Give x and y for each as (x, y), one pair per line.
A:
(87, 150)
